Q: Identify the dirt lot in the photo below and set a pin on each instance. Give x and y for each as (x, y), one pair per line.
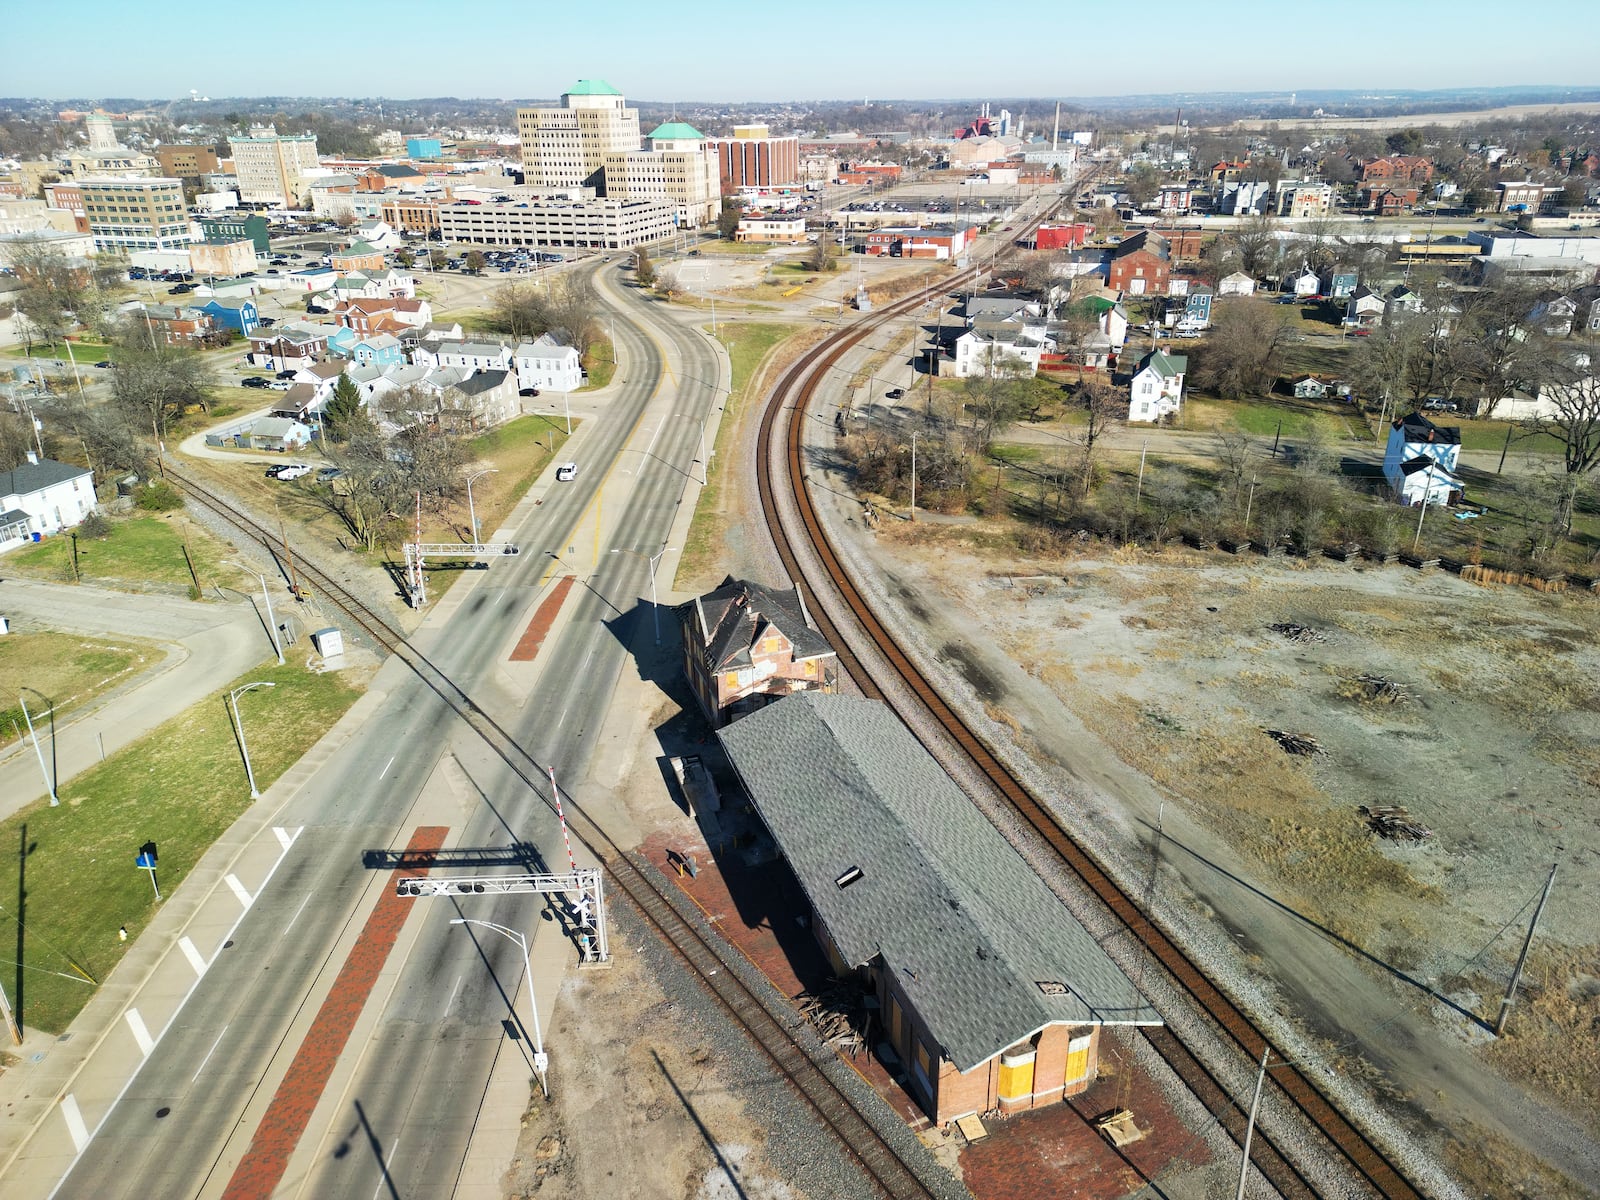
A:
(1142, 688)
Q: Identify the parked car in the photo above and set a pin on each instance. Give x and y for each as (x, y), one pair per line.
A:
(316, 310)
(528, 392)
(287, 374)
(266, 322)
(103, 365)
(280, 385)
(179, 289)
(255, 381)
(895, 393)
(329, 474)
(293, 471)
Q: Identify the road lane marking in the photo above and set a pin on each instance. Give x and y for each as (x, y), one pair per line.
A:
(75, 1125)
(452, 999)
(281, 1127)
(386, 767)
(196, 960)
(140, 1033)
(296, 916)
(285, 838)
(383, 1170)
(209, 1053)
(245, 898)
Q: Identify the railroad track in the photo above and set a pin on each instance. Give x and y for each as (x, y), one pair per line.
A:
(772, 1024)
(791, 401)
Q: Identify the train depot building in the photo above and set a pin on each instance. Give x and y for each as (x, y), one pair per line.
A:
(988, 992)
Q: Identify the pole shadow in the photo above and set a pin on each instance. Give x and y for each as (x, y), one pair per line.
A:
(727, 1167)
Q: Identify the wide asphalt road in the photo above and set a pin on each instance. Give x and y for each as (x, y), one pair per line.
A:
(412, 1086)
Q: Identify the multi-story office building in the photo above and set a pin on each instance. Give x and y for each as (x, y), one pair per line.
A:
(565, 148)
(753, 158)
(271, 167)
(679, 167)
(580, 224)
(186, 162)
(136, 214)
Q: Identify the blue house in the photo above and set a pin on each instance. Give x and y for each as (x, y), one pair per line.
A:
(241, 316)
(379, 350)
(1196, 309)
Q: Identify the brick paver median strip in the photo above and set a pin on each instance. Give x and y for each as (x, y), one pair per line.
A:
(545, 617)
(290, 1112)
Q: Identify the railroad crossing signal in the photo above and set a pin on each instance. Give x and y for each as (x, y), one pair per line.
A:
(417, 554)
(587, 882)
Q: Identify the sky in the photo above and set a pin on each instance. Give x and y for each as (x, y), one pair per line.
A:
(750, 51)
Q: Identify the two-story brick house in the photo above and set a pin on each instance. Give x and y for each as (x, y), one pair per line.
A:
(746, 645)
(1141, 265)
(1398, 168)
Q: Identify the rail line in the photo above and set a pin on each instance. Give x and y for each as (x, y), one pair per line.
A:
(770, 1024)
(793, 396)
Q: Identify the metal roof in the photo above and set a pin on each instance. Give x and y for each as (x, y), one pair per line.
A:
(974, 938)
(591, 87)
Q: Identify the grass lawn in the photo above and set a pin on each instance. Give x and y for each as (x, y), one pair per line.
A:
(748, 345)
(468, 318)
(67, 667)
(86, 353)
(601, 363)
(720, 247)
(180, 787)
(141, 548)
(1491, 435)
(1261, 418)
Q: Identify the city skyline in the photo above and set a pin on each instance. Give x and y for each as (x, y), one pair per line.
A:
(830, 53)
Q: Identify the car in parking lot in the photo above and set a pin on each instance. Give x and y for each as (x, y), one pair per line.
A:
(895, 393)
(292, 471)
(290, 374)
(316, 310)
(329, 474)
(279, 385)
(566, 472)
(255, 381)
(179, 289)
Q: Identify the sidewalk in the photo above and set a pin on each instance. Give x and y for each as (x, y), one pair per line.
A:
(207, 644)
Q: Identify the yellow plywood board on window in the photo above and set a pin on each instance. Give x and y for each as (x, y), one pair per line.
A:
(1016, 1082)
(1078, 1064)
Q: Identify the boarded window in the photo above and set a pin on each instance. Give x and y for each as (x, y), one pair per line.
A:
(1078, 1059)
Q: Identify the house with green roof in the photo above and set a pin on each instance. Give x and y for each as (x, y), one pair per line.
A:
(1157, 386)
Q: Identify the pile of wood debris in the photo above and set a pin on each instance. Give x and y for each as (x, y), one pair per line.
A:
(837, 1014)
(1297, 633)
(1302, 744)
(1394, 822)
(1380, 689)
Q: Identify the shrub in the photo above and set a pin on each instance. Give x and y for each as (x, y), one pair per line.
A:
(158, 496)
(94, 525)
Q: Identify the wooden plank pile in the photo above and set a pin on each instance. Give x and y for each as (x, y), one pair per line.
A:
(1302, 744)
(837, 1014)
(1380, 689)
(1394, 822)
(1118, 1127)
(1297, 633)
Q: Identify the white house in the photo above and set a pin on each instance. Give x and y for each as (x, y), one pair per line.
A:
(1237, 284)
(375, 285)
(1420, 460)
(980, 353)
(548, 365)
(42, 496)
(470, 356)
(1157, 388)
(1364, 308)
(1304, 284)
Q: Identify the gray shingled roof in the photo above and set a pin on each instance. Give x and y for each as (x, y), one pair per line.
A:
(732, 617)
(28, 478)
(966, 926)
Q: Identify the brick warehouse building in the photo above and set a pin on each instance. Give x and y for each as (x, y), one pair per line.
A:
(753, 158)
(1141, 265)
(988, 991)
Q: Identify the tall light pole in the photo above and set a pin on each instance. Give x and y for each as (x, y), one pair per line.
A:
(914, 476)
(652, 559)
(541, 1060)
(49, 780)
(472, 513)
(233, 699)
(272, 621)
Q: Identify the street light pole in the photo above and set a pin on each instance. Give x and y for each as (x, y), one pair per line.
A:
(233, 699)
(272, 620)
(541, 1060)
(914, 476)
(49, 781)
(655, 608)
(472, 513)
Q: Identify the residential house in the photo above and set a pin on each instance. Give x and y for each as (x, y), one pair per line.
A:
(298, 404)
(286, 348)
(988, 992)
(746, 645)
(358, 256)
(1555, 316)
(547, 365)
(42, 496)
(1364, 307)
(1336, 284)
(1303, 283)
(380, 350)
(173, 324)
(1237, 284)
(482, 400)
(380, 316)
(992, 346)
(1390, 201)
(241, 316)
(1420, 460)
(321, 374)
(1196, 314)
(472, 356)
(1309, 387)
(374, 285)
(1245, 197)
(1141, 265)
(1156, 390)
(275, 433)
(1305, 200)
(1398, 168)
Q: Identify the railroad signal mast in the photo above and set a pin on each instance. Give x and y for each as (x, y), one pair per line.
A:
(418, 552)
(585, 886)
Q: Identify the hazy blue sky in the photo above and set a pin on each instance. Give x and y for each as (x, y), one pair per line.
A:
(827, 49)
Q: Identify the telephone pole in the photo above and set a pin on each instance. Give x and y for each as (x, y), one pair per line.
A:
(1516, 975)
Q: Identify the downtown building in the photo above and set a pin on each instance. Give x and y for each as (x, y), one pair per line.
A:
(604, 224)
(273, 168)
(136, 214)
(753, 158)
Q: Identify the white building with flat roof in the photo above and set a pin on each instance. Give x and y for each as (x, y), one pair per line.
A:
(576, 224)
(273, 168)
(566, 147)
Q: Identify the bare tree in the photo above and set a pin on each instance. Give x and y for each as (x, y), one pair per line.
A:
(1103, 408)
(153, 385)
(1256, 239)
(1575, 424)
(1241, 357)
(1236, 455)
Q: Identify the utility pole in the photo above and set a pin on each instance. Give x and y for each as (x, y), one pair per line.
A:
(1516, 975)
(913, 477)
(1250, 1125)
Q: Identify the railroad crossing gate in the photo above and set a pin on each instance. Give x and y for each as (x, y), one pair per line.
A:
(417, 554)
(586, 884)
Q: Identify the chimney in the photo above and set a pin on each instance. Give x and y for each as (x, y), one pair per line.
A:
(33, 459)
